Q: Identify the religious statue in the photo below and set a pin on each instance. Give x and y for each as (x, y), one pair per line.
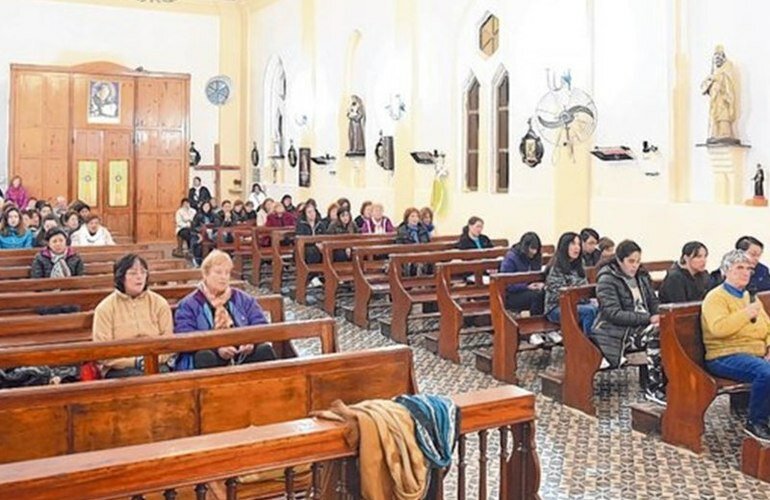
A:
(356, 124)
(759, 182)
(723, 99)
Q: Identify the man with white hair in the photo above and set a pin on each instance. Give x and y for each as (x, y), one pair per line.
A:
(736, 334)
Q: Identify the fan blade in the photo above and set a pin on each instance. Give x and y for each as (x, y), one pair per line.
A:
(550, 124)
(581, 109)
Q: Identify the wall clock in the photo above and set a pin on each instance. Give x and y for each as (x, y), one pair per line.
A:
(219, 90)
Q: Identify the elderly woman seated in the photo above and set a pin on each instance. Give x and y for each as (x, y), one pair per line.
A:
(736, 334)
(131, 311)
(215, 305)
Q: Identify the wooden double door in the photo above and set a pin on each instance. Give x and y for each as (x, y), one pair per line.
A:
(111, 137)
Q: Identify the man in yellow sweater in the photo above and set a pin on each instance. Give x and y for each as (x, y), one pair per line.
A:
(736, 333)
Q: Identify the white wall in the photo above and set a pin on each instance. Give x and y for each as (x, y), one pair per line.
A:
(46, 32)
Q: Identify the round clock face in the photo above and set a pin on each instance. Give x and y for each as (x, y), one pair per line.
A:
(219, 90)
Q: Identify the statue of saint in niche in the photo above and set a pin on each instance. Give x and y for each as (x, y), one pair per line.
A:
(759, 182)
(356, 125)
(723, 99)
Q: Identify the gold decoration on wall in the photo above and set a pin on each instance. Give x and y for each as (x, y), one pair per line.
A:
(87, 181)
(118, 190)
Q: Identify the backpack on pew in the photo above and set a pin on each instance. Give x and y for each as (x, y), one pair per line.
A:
(28, 376)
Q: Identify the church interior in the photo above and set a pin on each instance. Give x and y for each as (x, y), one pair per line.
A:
(425, 249)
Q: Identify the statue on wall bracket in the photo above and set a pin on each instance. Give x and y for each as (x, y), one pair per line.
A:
(356, 124)
(720, 87)
(531, 147)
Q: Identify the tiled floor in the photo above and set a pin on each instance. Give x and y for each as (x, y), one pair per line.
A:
(584, 457)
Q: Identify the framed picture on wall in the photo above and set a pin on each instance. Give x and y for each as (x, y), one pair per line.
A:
(304, 167)
(104, 102)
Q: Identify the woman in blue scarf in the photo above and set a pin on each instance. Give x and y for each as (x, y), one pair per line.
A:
(412, 230)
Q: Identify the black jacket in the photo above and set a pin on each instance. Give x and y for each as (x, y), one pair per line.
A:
(617, 317)
(681, 286)
(304, 228)
(591, 259)
(43, 264)
(467, 243)
(199, 199)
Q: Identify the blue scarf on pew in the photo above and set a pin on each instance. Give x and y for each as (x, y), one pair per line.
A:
(436, 425)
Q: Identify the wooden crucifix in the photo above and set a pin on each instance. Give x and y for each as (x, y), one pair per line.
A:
(217, 168)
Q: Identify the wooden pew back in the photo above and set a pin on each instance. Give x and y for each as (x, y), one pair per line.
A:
(49, 421)
(87, 258)
(21, 272)
(96, 281)
(31, 252)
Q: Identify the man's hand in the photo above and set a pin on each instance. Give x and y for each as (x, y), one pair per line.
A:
(752, 310)
(655, 319)
(227, 352)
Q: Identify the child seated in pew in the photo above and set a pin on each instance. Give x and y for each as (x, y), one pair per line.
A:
(566, 270)
(92, 233)
(215, 305)
(628, 319)
(687, 280)
(525, 257)
(57, 260)
(13, 233)
(472, 237)
(736, 335)
(131, 311)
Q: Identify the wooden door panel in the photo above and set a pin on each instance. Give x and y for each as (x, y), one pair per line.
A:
(147, 143)
(147, 103)
(172, 105)
(29, 95)
(30, 142)
(117, 144)
(55, 109)
(170, 143)
(146, 196)
(56, 174)
(56, 143)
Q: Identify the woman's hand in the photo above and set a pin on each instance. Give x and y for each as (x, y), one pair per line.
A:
(227, 352)
(536, 286)
(246, 349)
(655, 319)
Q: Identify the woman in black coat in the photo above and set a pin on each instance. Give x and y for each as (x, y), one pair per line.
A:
(472, 237)
(628, 319)
(310, 224)
(58, 259)
(687, 280)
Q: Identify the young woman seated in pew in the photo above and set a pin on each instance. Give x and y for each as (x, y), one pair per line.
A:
(215, 305)
(13, 233)
(687, 280)
(343, 225)
(49, 222)
(264, 210)
(606, 247)
(472, 237)
(378, 223)
(736, 335)
(131, 311)
(628, 319)
(58, 259)
(183, 218)
(71, 222)
(92, 233)
(525, 257)
(310, 224)
(566, 270)
(205, 216)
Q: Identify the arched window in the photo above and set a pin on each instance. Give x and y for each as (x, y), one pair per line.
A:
(472, 136)
(502, 161)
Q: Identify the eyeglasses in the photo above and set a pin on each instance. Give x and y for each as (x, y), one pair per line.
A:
(136, 272)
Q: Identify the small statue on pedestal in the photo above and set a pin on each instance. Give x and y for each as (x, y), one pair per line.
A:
(356, 125)
(759, 199)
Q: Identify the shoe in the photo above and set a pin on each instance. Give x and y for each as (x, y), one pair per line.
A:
(760, 432)
(536, 339)
(655, 396)
(316, 282)
(554, 337)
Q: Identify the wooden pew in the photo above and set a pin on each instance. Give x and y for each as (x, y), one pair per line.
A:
(49, 421)
(304, 269)
(31, 252)
(510, 329)
(213, 462)
(21, 272)
(406, 291)
(262, 251)
(370, 272)
(27, 302)
(691, 388)
(76, 327)
(280, 334)
(282, 254)
(337, 273)
(87, 258)
(95, 281)
(582, 359)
